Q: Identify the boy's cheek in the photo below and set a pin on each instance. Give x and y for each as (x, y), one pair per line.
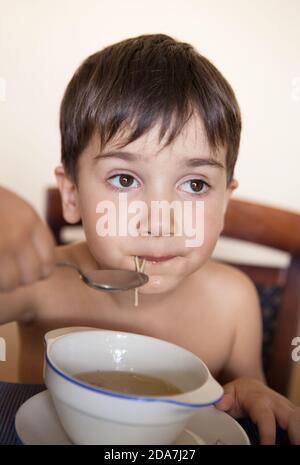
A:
(103, 253)
(213, 223)
(109, 252)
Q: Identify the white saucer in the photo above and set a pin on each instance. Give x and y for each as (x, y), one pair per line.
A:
(36, 423)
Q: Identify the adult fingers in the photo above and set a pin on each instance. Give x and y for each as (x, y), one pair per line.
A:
(9, 273)
(45, 247)
(29, 264)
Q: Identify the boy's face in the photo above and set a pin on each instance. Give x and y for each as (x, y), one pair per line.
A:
(147, 175)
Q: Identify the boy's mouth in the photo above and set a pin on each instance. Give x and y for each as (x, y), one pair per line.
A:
(154, 259)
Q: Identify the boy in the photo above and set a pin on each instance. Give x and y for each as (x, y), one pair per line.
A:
(151, 118)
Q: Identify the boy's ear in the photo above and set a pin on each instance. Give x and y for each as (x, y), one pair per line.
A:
(229, 191)
(69, 196)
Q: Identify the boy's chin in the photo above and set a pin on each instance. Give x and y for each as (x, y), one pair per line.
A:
(159, 284)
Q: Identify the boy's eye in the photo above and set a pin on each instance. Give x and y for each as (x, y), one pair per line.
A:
(195, 186)
(122, 181)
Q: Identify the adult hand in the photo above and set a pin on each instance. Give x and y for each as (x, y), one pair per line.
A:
(27, 248)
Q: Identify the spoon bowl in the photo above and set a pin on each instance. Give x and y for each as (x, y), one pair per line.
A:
(109, 280)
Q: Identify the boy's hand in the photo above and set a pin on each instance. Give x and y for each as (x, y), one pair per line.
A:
(252, 398)
(26, 245)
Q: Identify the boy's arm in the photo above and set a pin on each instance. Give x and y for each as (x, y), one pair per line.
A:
(27, 254)
(246, 394)
(246, 354)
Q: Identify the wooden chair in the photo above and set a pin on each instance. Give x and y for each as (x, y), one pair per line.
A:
(278, 229)
(258, 224)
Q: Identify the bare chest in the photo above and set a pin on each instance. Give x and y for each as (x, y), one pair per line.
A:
(194, 324)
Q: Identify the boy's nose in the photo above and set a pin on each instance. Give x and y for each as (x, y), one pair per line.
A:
(159, 221)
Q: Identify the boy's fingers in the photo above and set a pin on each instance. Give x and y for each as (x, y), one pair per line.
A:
(226, 403)
(283, 413)
(294, 427)
(265, 421)
(229, 402)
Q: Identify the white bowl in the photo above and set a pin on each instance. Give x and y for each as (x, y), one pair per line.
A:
(91, 415)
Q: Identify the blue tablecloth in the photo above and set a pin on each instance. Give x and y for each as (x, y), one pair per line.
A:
(12, 396)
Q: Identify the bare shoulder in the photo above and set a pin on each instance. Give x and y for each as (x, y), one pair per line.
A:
(229, 281)
(231, 292)
(242, 305)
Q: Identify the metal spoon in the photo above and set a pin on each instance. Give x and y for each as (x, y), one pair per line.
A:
(110, 280)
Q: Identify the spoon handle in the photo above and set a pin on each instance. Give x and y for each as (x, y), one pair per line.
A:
(70, 265)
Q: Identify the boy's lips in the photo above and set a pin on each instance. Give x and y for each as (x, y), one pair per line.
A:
(154, 259)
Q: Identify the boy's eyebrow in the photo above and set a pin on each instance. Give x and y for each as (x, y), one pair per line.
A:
(195, 162)
(190, 162)
(122, 155)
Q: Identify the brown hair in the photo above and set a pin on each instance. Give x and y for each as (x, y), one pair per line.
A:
(139, 82)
